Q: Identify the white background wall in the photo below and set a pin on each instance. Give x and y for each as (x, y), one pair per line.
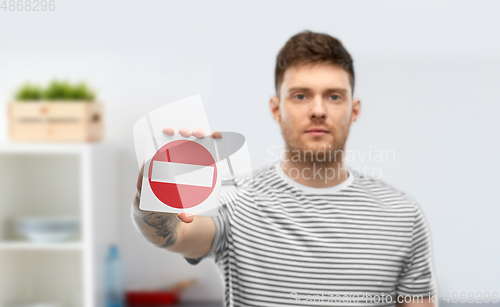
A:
(427, 74)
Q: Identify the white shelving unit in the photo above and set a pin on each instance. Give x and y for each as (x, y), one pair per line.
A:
(56, 180)
(21, 245)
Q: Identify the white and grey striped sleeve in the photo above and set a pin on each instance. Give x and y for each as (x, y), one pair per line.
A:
(418, 277)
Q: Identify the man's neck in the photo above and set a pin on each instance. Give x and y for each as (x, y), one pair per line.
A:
(315, 174)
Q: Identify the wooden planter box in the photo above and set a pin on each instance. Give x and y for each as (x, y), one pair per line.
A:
(55, 121)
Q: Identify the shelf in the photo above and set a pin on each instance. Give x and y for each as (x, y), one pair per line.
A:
(41, 276)
(52, 148)
(26, 245)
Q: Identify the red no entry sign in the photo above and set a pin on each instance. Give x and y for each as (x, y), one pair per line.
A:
(182, 174)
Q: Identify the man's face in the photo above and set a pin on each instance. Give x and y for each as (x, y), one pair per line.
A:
(315, 109)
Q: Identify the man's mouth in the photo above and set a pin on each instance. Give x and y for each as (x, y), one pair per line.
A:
(316, 131)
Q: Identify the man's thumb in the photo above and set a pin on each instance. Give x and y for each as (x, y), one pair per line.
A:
(185, 217)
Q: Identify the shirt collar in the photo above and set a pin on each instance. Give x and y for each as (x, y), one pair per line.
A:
(310, 190)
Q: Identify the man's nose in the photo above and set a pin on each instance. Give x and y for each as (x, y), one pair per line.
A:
(318, 109)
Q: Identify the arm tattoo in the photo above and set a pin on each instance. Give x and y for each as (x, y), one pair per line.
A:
(165, 225)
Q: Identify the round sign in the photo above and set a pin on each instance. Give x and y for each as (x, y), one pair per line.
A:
(184, 155)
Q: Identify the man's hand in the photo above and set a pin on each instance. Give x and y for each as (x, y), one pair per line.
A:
(185, 132)
(192, 238)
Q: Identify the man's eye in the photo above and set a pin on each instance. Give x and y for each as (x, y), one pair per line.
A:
(337, 97)
(300, 96)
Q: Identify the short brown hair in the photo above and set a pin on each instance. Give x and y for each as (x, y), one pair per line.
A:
(308, 47)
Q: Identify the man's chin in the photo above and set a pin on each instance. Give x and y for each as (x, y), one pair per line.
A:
(318, 146)
(317, 152)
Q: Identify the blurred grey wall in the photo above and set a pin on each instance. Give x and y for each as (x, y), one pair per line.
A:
(427, 74)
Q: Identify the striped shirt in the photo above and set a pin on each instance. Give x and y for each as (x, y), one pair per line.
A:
(359, 243)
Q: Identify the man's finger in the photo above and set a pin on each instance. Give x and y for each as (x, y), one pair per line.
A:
(199, 133)
(217, 135)
(168, 130)
(184, 131)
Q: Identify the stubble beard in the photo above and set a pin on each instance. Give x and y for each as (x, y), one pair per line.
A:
(322, 154)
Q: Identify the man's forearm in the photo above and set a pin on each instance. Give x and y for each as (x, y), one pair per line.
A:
(192, 240)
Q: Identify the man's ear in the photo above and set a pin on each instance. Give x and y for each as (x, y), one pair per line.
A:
(356, 108)
(274, 105)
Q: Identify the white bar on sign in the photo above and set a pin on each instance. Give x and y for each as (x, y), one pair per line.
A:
(180, 173)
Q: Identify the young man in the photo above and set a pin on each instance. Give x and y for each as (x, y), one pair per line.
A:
(307, 230)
